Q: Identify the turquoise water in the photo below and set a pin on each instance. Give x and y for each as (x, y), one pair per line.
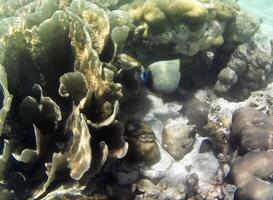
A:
(262, 9)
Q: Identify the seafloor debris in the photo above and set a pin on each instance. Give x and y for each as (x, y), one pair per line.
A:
(97, 100)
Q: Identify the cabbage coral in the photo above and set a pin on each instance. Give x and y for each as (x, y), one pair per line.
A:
(63, 94)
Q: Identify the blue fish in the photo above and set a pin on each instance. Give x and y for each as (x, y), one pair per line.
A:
(146, 78)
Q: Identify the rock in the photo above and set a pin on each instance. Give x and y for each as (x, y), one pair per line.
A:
(149, 190)
(178, 138)
(196, 111)
(206, 146)
(165, 75)
(142, 144)
(117, 192)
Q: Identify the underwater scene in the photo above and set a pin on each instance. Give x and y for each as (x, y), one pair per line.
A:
(136, 100)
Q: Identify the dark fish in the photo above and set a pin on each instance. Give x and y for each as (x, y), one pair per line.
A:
(146, 78)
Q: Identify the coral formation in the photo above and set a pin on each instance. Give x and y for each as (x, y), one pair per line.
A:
(75, 124)
(248, 68)
(253, 129)
(250, 174)
(94, 100)
(6, 98)
(196, 111)
(254, 132)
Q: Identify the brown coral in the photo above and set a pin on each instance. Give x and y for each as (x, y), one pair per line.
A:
(252, 172)
(253, 129)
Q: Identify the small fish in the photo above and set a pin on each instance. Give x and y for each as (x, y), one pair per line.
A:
(146, 78)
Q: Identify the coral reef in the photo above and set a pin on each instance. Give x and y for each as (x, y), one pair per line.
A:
(248, 68)
(122, 99)
(68, 101)
(178, 138)
(6, 98)
(250, 174)
(180, 27)
(197, 112)
(254, 132)
(247, 129)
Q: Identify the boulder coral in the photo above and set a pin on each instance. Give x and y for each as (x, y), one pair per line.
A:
(248, 68)
(184, 27)
(253, 129)
(252, 172)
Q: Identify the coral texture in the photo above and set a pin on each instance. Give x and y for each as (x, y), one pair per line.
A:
(97, 100)
(68, 104)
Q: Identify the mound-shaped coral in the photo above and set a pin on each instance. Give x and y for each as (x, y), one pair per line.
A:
(180, 27)
(252, 172)
(253, 129)
(247, 69)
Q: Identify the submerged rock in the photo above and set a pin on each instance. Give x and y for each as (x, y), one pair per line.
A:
(178, 138)
(197, 112)
(142, 144)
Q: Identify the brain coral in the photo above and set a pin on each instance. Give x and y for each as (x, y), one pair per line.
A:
(252, 172)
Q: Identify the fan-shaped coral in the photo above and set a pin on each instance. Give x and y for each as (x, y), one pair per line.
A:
(67, 96)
